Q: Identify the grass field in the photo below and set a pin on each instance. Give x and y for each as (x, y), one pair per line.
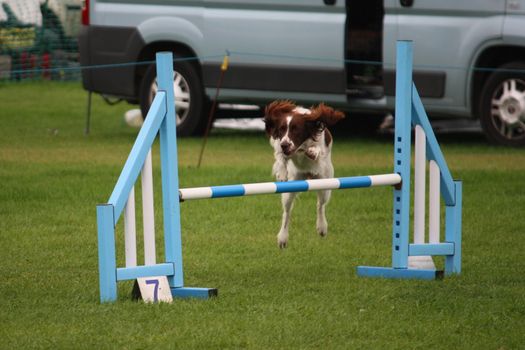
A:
(307, 296)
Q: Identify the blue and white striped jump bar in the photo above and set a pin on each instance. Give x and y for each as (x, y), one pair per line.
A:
(288, 186)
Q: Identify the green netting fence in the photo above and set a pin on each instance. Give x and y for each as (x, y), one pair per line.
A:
(38, 38)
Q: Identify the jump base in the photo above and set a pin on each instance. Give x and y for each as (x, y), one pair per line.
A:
(192, 292)
(389, 272)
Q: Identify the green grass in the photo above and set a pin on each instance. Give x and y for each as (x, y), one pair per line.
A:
(307, 296)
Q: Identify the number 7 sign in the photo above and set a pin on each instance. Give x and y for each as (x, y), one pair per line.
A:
(154, 289)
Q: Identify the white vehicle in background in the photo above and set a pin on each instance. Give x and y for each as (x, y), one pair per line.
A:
(469, 55)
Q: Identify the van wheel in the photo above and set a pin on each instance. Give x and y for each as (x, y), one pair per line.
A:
(190, 106)
(502, 106)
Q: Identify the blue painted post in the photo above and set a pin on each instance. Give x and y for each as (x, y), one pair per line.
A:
(170, 176)
(433, 150)
(453, 230)
(403, 115)
(106, 253)
(138, 154)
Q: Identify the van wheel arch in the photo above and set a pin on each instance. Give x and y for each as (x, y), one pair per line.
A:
(491, 57)
(502, 105)
(192, 83)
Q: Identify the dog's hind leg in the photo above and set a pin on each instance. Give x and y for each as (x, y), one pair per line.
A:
(287, 201)
(322, 200)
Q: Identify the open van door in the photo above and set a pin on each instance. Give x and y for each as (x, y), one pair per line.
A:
(371, 34)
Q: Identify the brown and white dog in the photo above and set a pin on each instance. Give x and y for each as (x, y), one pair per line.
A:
(302, 148)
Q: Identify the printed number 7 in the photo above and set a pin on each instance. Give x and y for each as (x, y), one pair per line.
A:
(156, 290)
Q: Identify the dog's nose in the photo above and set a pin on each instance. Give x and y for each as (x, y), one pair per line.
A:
(286, 146)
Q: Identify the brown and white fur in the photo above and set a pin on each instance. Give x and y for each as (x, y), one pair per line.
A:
(302, 148)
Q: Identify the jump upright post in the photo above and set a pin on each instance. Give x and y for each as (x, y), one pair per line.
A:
(410, 112)
(405, 261)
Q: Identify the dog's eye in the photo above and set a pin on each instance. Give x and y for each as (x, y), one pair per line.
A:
(282, 128)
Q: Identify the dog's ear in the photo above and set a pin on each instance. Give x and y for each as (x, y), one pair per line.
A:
(314, 126)
(274, 111)
(324, 115)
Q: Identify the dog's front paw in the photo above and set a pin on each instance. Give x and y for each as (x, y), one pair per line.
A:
(280, 171)
(313, 152)
(281, 175)
(322, 228)
(282, 239)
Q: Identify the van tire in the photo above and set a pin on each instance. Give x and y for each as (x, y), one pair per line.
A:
(190, 103)
(504, 92)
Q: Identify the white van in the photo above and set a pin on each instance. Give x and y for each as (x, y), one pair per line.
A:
(468, 55)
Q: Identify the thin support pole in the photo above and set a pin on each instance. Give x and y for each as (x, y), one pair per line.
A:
(420, 162)
(420, 171)
(434, 202)
(148, 212)
(130, 231)
(224, 68)
(88, 115)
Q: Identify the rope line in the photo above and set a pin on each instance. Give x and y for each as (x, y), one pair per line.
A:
(100, 66)
(261, 55)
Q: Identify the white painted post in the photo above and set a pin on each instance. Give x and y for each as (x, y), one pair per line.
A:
(434, 202)
(420, 167)
(148, 213)
(130, 231)
(419, 185)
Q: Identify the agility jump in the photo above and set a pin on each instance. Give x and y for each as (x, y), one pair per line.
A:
(409, 260)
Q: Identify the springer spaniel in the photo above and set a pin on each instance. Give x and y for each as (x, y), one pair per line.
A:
(302, 146)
